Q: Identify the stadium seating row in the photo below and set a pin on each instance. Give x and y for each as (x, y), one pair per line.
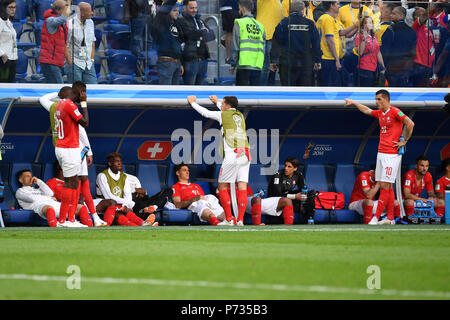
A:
(154, 177)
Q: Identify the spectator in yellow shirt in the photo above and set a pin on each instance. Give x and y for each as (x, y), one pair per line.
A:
(269, 13)
(331, 30)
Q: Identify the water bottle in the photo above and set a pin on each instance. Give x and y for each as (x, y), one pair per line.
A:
(402, 149)
(304, 193)
(260, 193)
(310, 220)
(84, 152)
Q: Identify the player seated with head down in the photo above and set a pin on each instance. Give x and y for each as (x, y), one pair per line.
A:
(42, 201)
(114, 184)
(441, 184)
(362, 198)
(187, 195)
(414, 182)
(57, 184)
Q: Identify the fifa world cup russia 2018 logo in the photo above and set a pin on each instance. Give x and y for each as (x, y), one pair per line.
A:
(308, 149)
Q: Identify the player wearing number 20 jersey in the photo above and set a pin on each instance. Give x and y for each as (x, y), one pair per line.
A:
(67, 147)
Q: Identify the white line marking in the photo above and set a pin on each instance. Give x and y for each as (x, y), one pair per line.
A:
(238, 285)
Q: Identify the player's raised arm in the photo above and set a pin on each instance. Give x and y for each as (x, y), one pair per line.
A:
(84, 122)
(46, 100)
(364, 109)
(215, 115)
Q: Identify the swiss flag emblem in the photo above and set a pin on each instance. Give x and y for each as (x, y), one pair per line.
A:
(154, 150)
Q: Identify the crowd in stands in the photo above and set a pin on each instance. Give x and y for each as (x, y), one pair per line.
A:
(320, 43)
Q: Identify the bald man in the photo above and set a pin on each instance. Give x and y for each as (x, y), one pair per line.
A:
(81, 46)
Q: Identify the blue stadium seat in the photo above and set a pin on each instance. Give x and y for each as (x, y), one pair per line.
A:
(22, 218)
(21, 66)
(48, 171)
(36, 169)
(321, 217)
(320, 177)
(117, 36)
(122, 68)
(21, 10)
(153, 177)
(41, 7)
(345, 179)
(114, 10)
(177, 216)
(172, 177)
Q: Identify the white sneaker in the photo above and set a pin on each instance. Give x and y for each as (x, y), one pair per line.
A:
(374, 221)
(100, 223)
(226, 223)
(66, 224)
(386, 221)
(240, 223)
(76, 224)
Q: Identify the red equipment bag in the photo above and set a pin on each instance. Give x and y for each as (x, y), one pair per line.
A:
(329, 200)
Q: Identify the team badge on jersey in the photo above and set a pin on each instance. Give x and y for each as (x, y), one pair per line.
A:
(408, 183)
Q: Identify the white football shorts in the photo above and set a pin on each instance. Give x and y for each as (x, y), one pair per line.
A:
(70, 161)
(38, 206)
(268, 206)
(358, 207)
(387, 167)
(211, 203)
(234, 169)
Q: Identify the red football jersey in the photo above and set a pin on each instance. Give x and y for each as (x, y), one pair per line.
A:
(410, 182)
(441, 184)
(56, 185)
(391, 126)
(187, 191)
(363, 181)
(67, 115)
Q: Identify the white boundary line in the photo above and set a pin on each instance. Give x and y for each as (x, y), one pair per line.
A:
(238, 285)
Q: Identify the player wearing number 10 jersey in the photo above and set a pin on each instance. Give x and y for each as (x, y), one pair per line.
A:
(391, 122)
(67, 147)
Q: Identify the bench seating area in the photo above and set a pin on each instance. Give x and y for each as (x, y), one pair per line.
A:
(156, 176)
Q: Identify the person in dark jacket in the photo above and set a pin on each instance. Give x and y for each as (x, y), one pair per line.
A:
(399, 49)
(289, 182)
(195, 52)
(140, 14)
(168, 41)
(296, 48)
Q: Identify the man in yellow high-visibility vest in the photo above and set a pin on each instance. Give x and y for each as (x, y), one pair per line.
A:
(247, 46)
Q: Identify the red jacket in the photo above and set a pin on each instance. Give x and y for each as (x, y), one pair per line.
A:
(53, 45)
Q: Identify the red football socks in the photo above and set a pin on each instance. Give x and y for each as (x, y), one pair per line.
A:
(256, 214)
(409, 210)
(213, 221)
(123, 221)
(368, 214)
(288, 215)
(225, 202)
(383, 200)
(73, 206)
(51, 217)
(66, 201)
(86, 192)
(109, 215)
(396, 211)
(85, 218)
(242, 203)
(390, 205)
(134, 218)
(440, 211)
